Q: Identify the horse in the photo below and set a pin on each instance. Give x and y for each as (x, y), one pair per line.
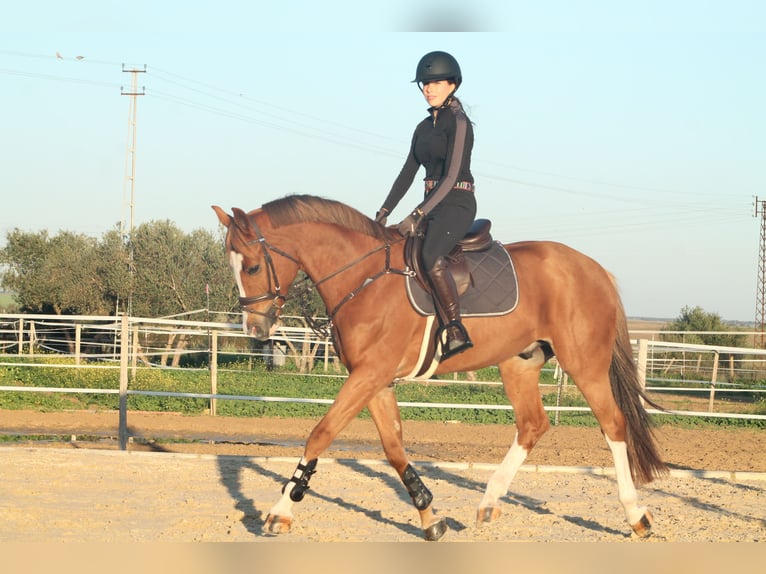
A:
(568, 306)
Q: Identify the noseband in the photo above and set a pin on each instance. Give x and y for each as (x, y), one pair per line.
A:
(275, 290)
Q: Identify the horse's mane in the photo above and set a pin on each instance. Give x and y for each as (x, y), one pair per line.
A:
(313, 209)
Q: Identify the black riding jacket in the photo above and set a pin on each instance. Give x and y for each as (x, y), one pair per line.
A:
(442, 143)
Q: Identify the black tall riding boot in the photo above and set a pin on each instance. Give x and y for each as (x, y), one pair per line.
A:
(446, 298)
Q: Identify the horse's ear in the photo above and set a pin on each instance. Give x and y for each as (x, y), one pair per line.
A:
(223, 217)
(240, 219)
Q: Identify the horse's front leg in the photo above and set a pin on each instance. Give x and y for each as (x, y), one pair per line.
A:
(357, 391)
(280, 518)
(385, 413)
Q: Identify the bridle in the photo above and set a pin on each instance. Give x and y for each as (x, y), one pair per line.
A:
(274, 292)
(278, 299)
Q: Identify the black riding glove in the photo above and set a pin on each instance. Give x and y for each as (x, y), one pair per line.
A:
(409, 224)
(382, 216)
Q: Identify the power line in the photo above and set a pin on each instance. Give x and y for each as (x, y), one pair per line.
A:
(243, 100)
(55, 56)
(288, 126)
(240, 107)
(55, 78)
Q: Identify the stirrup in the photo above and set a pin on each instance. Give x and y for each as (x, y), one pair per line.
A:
(448, 350)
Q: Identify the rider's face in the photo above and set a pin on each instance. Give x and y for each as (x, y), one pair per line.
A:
(436, 93)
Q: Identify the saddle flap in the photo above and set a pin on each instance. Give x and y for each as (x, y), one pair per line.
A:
(477, 239)
(457, 265)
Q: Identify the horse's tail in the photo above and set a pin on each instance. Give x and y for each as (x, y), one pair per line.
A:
(643, 456)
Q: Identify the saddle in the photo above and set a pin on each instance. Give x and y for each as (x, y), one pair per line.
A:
(484, 274)
(486, 283)
(477, 239)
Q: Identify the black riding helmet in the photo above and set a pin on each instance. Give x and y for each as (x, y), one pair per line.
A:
(436, 66)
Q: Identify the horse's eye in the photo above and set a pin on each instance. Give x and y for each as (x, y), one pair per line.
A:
(253, 270)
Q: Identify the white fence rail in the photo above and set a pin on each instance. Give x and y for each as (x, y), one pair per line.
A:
(126, 344)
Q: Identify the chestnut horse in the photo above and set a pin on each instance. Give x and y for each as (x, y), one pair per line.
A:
(568, 306)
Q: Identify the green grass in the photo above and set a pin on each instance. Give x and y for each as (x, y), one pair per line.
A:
(256, 380)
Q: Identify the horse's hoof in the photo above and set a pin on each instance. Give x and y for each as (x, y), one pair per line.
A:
(436, 530)
(487, 514)
(643, 527)
(277, 524)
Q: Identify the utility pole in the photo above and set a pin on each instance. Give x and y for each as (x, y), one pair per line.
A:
(129, 183)
(760, 299)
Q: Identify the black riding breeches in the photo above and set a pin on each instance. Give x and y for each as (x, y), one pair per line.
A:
(447, 224)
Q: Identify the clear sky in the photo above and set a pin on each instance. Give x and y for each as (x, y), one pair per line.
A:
(632, 131)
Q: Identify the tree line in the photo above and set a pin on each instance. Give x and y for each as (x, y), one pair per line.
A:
(162, 271)
(703, 328)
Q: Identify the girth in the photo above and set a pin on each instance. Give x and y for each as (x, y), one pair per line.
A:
(478, 238)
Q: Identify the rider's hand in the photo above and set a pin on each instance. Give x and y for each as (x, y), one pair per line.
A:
(382, 216)
(410, 223)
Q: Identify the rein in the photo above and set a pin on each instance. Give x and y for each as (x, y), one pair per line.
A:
(387, 270)
(278, 299)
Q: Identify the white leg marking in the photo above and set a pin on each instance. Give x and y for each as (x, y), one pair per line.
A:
(501, 479)
(625, 488)
(284, 506)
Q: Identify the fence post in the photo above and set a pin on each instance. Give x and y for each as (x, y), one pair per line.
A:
(213, 372)
(77, 340)
(134, 353)
(643, 348)
(560, 377)
(32, 337)
(21, 336)
(713, 381)
(124, 354)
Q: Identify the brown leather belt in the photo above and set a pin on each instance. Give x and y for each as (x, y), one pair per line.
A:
(430, 184)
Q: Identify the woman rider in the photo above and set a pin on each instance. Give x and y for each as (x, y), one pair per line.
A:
(442, 144)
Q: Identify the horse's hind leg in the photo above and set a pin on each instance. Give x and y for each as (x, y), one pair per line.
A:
(614, 428)
(639, 517)
(520, 381)
(385, 413)
(596, 388)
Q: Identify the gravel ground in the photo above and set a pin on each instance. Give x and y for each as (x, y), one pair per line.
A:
(65, 495)
(220, 486)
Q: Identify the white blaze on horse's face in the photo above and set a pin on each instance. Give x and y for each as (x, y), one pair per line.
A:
(235, 262)
(259, 324)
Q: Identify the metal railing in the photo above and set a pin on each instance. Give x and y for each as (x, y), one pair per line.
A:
(127, 344)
